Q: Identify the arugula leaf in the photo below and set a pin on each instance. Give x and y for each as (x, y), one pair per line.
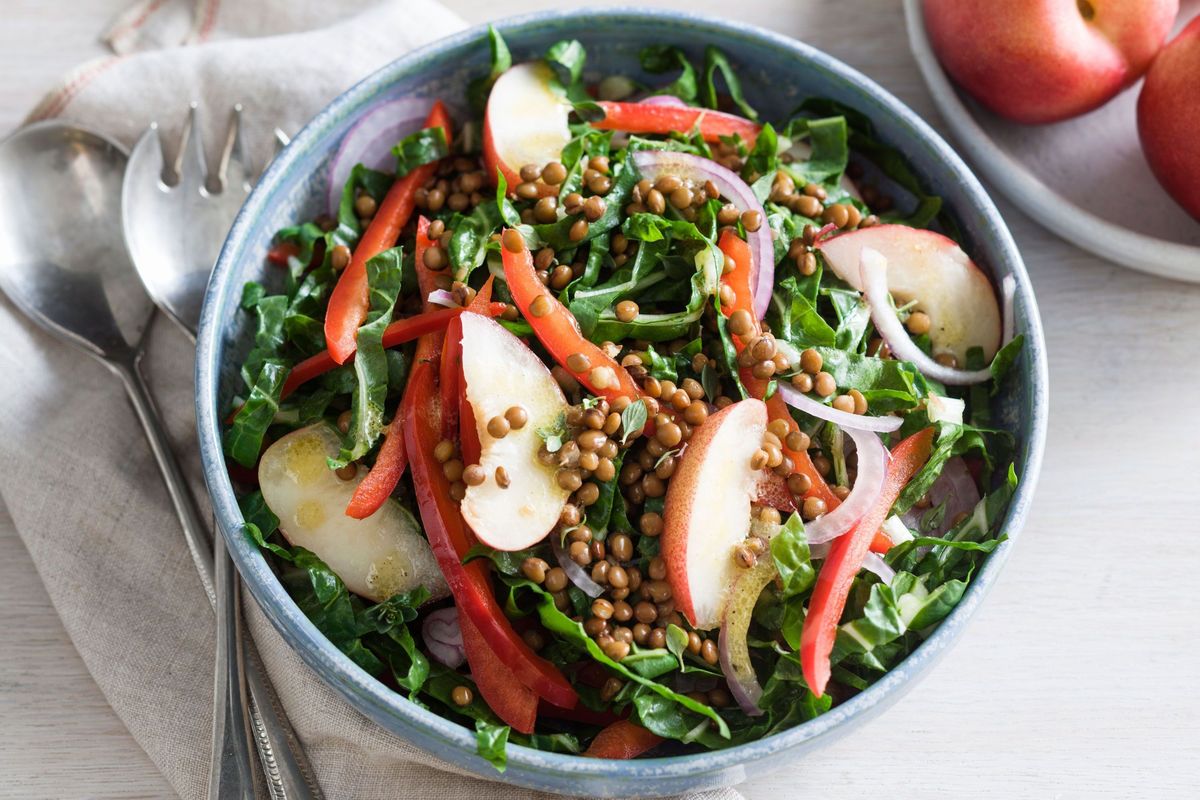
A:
(659, 58)
(559, 623)
(714, 62)
(794, 317)
(567, 58)
(829, 139)
(470, 237)
(384, 273)
(553, 435)
(888, 385)
(418, 149)
(478, 89)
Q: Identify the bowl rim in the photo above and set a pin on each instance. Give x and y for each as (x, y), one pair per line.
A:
(404, 718)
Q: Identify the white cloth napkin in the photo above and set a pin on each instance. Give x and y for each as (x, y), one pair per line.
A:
(77, 475)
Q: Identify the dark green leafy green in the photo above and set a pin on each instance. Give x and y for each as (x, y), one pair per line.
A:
(714, 62)
(384, 273)
(418, 149)
(659, 58)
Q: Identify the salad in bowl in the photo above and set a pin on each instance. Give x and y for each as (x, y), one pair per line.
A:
(616, 420)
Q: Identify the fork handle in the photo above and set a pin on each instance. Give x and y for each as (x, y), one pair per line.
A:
(230, 776)
(285, 765)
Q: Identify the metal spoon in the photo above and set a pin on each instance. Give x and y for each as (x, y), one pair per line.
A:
(64, 264)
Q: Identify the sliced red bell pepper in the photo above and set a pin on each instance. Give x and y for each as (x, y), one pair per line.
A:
(559, 332)
(280, 253)
(393, 458)
(737, 251)
(622, 739)
(374, 489)
(450, 379)
(399, 332)
(845, 560)
(349, 302)
(449, 538)
(512, 701)
(650, 118)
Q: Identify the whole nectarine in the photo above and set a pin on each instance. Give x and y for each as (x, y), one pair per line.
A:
(1047, 60)
(1169, 118)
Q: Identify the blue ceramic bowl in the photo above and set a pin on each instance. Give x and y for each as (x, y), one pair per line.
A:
(777, 73)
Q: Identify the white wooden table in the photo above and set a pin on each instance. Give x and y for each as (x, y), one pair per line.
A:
(1078, 677)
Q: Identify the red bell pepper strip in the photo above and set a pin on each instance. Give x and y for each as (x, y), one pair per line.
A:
(349, 302)
(845, 560)
(559, 332)
(393, 457)
(280, 253)
(512, 701)
(737, 251)
(622, 739)
(374, 490)
(399, 332)
(449, 538)
(450, 379)
(650, 118)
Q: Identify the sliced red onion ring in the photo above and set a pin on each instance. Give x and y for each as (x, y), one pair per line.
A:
(872, 562)
(371, 140)
(576, 573)
(849, 422)
(441, 297)
(873, 266)
(732, 646)
(957, 489)
(1008, 294)
(663, 100)
(443, 638)
(652, 163)
(872, 469)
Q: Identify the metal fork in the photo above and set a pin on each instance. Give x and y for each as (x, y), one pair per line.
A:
(174, 224)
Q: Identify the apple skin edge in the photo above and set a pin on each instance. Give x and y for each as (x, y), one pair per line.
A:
(933, 271)
(1038, 61)
(1169, 118)
(707, 510)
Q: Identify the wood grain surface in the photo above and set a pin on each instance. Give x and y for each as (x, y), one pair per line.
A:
(1077, 678)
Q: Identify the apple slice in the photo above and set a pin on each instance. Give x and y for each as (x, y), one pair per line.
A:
(933, 271)
(500, 372)
(707, 510)
(375, 557)
(525, 123)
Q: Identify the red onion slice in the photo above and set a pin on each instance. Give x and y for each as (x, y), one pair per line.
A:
(957, 489)
(441, 297)
(652, 163)
(849, 422)
(873, 266)
(664, 100)
(872, 469)
(732, 645)
(443, 638)
(873, 563)
(576, 573)
(371, 140)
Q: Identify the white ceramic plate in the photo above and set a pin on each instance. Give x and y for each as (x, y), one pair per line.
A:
(1084, 179)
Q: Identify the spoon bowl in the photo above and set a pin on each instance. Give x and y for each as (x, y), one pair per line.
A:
(62, 258)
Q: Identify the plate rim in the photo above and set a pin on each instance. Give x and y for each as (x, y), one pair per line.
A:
(1114, 243)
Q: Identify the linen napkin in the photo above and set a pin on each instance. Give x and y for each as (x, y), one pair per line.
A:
(78, 477)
